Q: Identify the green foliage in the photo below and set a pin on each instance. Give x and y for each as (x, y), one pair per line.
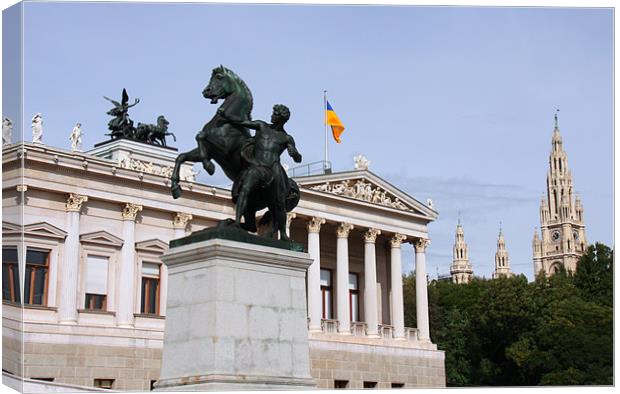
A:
(508, 332)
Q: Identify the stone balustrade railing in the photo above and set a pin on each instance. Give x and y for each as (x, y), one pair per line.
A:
(411, 334)
(386, 331)
(358, 328)
(329, 326)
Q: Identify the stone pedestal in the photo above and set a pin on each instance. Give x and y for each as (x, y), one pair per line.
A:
(236, 318)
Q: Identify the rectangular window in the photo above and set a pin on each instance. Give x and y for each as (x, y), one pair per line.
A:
(153, 384)
(96, 283)
(35, 279)
(104, 383)
(326, 293)
(150, 288)
(398, 385)
(341, 384)
(10, 275)
(370, 385)
(44, 379)
(354, 297)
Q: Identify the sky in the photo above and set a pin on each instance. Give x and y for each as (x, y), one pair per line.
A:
(455, 104)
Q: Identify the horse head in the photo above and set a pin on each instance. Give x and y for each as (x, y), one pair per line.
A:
(162, 122)
(221, 84)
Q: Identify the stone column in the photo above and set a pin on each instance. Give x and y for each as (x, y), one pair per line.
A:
(370, 282)
(180, 222)
(289, 218)
(398, 313)
(342, 278)
(68, 303)
(421, 293)
(125, 302)
(314, 273)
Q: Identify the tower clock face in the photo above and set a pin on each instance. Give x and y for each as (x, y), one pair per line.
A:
(576, 235)
(555, 236)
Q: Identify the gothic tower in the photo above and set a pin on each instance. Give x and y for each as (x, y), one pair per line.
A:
(461, 269)
(502, 261)
(563, 237)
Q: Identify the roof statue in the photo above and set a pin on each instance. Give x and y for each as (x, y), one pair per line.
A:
(252, 163)
(121, 126)
(76, 137)
(361, 162)
(7, 131)
(37, 128)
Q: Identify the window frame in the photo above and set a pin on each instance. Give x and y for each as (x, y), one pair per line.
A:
(112, 254)
(330, 289)
(353, 292)
(13, 269)
(29, 298)
(142, 277)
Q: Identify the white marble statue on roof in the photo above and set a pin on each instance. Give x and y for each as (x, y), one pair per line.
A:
(76, 137)
(37, 129)
(7, 131)
(361, 162)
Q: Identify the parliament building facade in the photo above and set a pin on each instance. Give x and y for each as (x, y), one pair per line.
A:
(84, 290)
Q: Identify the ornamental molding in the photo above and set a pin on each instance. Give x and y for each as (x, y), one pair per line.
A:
(181, 219)
(130, 211)
(40, 229)
(74, 202)
(148, 167)
(361, 189)
(314, 224)
(370, 236)
(344, 229)
(156, 246)
(421, 244)
(102, 238)
(397, 240)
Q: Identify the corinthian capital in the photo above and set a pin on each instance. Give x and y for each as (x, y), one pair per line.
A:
(421, 244)
(181, 219)
(370, 236)
(130, 211)
(397, 240)
(314, 224)
(344, 229)
(74, 202)
(289, 218)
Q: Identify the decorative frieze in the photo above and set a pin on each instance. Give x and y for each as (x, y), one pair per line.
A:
(362, 190)
(314, 224)
(146, 167)
(344, 229)
(181, 219)
(421, 244)
(74, 202)
(370, 236)
(397, 240)
(130, 211)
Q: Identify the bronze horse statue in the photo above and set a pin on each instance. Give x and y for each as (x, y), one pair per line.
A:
(222, 141)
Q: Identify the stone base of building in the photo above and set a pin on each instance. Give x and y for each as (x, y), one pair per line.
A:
(354, 362)
(236, 318)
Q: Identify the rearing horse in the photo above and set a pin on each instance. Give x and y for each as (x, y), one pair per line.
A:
(220, 140)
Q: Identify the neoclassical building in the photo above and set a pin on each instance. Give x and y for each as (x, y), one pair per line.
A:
(84, 290)
(562, 238)
(461, 269)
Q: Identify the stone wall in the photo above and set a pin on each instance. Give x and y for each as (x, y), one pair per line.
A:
(131, 368)
(385, 365)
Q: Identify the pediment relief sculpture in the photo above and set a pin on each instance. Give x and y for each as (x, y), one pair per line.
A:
(363, 190)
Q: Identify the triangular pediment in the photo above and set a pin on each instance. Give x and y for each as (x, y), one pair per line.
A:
(102, 238)
(45, 230)
(152, 245)
(11, 228)
(366, 187)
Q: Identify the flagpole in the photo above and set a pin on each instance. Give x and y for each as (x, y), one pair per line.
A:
(326, 137)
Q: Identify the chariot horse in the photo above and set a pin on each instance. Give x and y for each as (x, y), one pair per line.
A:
(222, 142)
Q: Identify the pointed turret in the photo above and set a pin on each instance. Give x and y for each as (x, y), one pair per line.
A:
(461, 269)
(502, 261)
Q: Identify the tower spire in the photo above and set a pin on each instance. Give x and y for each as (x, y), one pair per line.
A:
(556, 117)
(461, 269)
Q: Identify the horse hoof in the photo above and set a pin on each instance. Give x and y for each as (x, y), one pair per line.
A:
(209, 167)
(176, 191)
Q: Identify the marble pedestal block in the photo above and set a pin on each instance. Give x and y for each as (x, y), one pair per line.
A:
(236, 318)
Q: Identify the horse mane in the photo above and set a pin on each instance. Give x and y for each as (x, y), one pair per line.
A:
(245, 88)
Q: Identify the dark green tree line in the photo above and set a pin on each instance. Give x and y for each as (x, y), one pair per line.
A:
(507, 332)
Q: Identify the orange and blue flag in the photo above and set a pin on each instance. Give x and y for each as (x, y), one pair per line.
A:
(332, 120)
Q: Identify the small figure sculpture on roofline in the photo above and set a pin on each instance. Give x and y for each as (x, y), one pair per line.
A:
(37, 129)
(76, 137)
(7, 131)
